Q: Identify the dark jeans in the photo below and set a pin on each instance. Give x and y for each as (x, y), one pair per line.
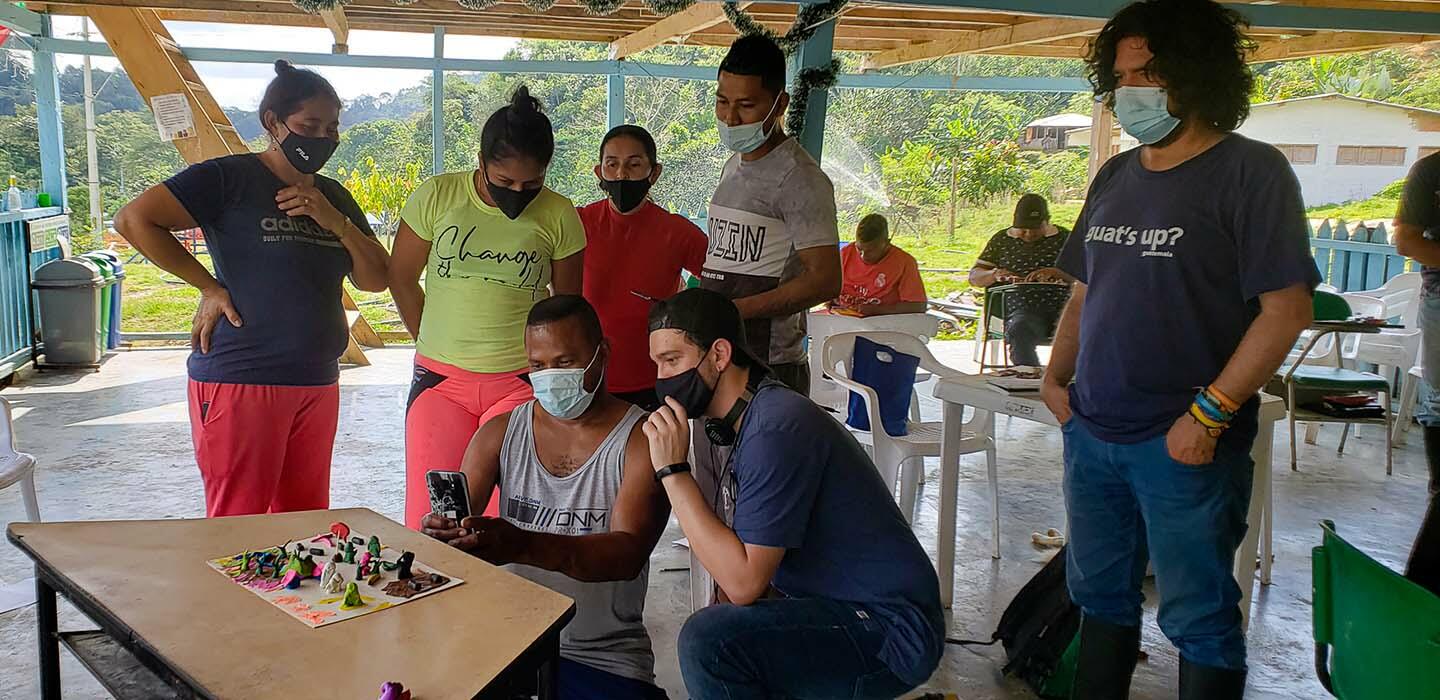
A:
(785, 648)
(576, 681)
(796, 376)
(645, 398)
(1027, 328)
(1424, 565)
(1130, 503)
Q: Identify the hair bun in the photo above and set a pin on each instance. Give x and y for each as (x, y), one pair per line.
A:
(522, 102)
(283, 66)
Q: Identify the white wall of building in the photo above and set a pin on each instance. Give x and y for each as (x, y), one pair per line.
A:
(1331, 122)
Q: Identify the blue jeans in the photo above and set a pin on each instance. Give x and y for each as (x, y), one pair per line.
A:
(1429, 413)
(786, 648)
(576, 681)
(1128, 503)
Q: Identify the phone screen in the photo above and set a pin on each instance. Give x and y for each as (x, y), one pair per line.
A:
(449, 493)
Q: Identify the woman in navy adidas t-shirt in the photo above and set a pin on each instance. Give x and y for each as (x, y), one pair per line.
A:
(270, 329)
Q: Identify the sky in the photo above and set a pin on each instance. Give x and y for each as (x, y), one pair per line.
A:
(241, 84)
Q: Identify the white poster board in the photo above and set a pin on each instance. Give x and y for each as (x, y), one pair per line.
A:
(173, 117)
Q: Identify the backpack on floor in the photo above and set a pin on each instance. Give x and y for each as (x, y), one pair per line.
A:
(1041, 632)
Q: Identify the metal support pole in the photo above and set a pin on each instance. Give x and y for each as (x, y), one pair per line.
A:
(615, 100)
(437, 106)
(47, 112)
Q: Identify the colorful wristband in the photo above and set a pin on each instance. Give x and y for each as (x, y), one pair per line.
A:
(1221, 398)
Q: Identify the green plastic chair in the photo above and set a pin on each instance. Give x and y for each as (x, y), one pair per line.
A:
(1377, 634)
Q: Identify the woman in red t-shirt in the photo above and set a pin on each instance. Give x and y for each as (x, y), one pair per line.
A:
(634, 252)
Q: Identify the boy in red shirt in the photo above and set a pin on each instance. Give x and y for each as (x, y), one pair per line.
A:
(634, 253)
(879, 278)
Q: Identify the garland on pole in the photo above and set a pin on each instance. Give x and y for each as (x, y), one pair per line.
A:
(665, 8)
(538, 5)
(807, 21)
(813, 78)
(316, 6)
(478, 4)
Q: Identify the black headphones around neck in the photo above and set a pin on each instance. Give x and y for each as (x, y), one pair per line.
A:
(721, 431)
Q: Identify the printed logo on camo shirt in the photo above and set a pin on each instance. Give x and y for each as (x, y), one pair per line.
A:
(532, 515)
(1159, 241)
(746, 243)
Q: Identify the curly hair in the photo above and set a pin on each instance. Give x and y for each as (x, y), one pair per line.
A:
(1200, 49)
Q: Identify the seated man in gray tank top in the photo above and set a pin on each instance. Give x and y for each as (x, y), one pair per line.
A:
(580, 510)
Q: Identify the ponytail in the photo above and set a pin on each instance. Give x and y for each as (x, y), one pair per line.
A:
(519, 129)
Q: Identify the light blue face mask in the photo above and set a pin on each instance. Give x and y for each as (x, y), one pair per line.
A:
(746, 137)
(1144, 113)
(561, 392)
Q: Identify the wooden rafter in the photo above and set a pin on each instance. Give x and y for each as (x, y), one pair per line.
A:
(1333, 42)
(339, 26)
(1037, 32)
(701, 15)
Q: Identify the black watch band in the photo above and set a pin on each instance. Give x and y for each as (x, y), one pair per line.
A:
(677, 468)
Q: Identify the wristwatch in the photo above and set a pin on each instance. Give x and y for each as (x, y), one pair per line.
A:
(677, 468)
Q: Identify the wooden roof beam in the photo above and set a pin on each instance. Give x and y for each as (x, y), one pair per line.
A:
(701, 15)
(990, 41)
(1332, 42)
(339, 26)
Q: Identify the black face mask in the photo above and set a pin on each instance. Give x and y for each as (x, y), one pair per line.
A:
(688, 388)
(308, 154)
(510, 202)
(626, 194)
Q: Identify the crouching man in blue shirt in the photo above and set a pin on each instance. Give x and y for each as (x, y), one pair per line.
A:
(830, 595)
(1194, 280)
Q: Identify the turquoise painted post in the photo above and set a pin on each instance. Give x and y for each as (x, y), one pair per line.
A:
(615, 100)
(815, 52)
(47, 111)
(437, 105)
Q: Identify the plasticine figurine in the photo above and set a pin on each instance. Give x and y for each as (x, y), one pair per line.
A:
(331, 580)
(364, 562)
(406, 560)
(291, 580)
(373, 546)
(394, 691)
(376, 579)
(304, 566)
(349, 553)
(340, 530)
(352, 597)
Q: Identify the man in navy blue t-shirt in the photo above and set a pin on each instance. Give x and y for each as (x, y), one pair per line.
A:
(830, 594)
(1193, 279)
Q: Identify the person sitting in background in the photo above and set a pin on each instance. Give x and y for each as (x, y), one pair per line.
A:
(879, 278)
(637, 250)
(1026, 252)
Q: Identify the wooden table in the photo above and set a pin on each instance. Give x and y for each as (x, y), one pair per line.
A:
(971, 390)
(147, 586)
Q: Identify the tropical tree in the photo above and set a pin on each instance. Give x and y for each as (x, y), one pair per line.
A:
(381, 191)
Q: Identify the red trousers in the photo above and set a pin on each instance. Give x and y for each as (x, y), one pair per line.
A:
(263, 449)
(447, 405)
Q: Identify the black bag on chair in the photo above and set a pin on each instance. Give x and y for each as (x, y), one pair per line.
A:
(1041, 631)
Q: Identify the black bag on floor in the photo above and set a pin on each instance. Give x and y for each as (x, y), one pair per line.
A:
(1041, 632)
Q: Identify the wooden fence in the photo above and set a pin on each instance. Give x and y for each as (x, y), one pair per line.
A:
(1356, 256)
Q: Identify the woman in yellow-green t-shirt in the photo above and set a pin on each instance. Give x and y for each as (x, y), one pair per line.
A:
(492, 242)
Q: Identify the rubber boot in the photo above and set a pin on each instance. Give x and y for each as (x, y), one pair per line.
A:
(1424, 565)
(1106, 661)
(1209, 683)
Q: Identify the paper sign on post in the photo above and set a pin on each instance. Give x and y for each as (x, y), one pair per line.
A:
(173, 116)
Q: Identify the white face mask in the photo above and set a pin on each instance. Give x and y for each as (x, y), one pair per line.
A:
(746, 137)
(562, 393)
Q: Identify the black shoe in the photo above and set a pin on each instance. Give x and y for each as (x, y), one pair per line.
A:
(1106, 661)
(1209, 683)
(1424, 565)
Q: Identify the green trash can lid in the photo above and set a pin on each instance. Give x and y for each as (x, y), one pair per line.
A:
(107, 267)
(67, 273)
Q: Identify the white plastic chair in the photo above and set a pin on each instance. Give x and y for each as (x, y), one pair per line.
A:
(16, 466)
(1409, 394)
(903, 457)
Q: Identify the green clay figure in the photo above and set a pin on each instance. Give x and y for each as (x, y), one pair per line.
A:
(349, 553)
(373, 547)
(352, 597)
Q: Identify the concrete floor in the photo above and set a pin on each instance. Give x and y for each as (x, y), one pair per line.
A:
(115, 445)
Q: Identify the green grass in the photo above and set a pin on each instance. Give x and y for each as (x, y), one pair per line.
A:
(1382, 208)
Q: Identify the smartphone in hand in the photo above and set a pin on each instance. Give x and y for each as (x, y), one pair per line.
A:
(449, 494)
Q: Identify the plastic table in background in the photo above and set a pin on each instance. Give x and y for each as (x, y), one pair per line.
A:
(973, 391)
(198, 634)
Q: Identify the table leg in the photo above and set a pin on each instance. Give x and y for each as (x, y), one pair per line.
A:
(1267, 481)
(48, 636)
(546, 681)
(1259, 512)
(954, 419)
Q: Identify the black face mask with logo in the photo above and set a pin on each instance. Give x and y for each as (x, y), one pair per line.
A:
(308, 154)
(511, 203)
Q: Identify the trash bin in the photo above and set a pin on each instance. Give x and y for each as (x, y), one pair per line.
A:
(116, 299)
(69, 291)
(107, 292)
